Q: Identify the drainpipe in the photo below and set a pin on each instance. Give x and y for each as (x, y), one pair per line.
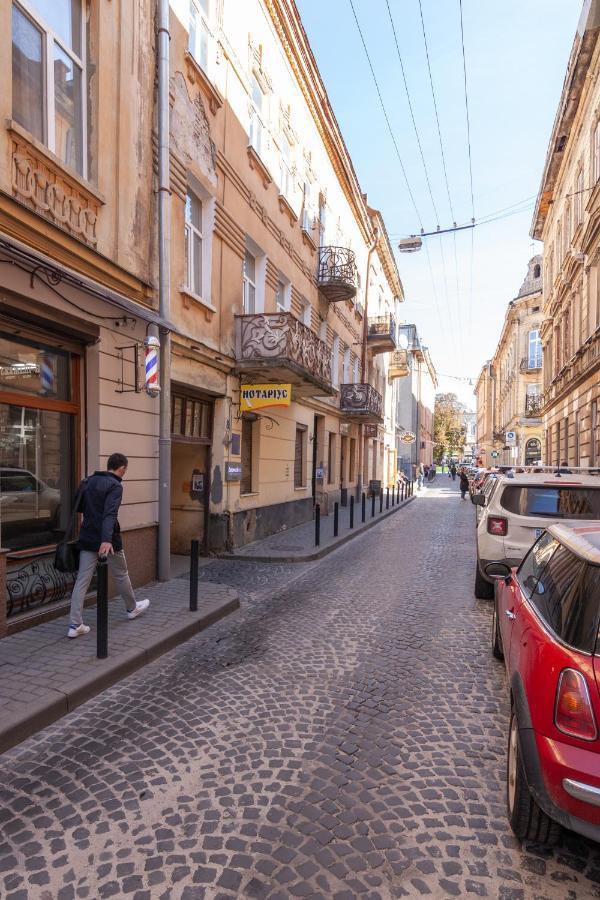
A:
(164, 193)
(363, 358)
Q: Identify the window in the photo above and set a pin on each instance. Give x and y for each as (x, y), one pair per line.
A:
(346, 366)
(535, 562)
(246, 456)
(307, 208)
(38, 424)
(537, 271)
(249, 286)
(193, 243)
(534, 350)
(568, 600)
(559, 243)
(578, 199)
(191, 417)
(257, 127)
(335, 358)
(283, 294)
(322, 220)
(352, 472)
(300, 457)
(305, 311)
(567, 228)
(546, 501)
(331, 458)
(48, 76)
(356, 372)
(596, 154)
(200, 35)
(286, 167)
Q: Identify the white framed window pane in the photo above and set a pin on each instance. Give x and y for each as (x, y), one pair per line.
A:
(256, 133)
(199, 34)
(27, 74)
(64, 18)
(257, 94)
(249, 297)
(249, 266)
(197, 264)
(68, 119)
(188, 274)
(193, 211)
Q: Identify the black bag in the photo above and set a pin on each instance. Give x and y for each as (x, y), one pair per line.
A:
(66, 557)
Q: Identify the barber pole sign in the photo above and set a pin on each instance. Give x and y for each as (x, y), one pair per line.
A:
(46, 374)
(152, 346)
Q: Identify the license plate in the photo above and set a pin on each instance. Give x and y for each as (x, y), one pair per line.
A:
(538, 532)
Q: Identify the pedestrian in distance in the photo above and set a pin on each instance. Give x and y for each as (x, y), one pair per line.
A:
(432, 472)
(464, 485)
(453, 472)
(100, 535)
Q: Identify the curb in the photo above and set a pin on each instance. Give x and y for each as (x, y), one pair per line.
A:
(39, 715)
(324, 551)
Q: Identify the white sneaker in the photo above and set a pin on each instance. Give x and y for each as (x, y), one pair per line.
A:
(140, 607)
(75, 630)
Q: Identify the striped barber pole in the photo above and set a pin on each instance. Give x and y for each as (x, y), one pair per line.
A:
(152, 346)
(46, 374)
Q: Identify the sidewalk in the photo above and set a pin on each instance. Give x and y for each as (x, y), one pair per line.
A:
(44, 675)
(297, 545)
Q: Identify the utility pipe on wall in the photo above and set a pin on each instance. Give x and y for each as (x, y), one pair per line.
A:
(164, 224)
(363, 359)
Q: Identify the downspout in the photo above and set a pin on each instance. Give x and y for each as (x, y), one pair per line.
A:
(164, 193)
(363, 359)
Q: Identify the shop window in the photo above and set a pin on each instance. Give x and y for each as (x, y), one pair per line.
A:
(48, 76)
(38, 421)
(246, 485)
(300, 457)
(191, 418)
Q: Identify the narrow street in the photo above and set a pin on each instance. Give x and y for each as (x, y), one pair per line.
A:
(342, 736)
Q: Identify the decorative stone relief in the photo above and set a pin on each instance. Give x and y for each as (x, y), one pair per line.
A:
(190, 130)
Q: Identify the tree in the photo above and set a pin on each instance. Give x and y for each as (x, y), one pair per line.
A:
(449, 430)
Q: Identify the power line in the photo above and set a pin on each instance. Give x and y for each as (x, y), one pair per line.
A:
(462, 40)
(385, 113)
(410, 106)
(471, 225)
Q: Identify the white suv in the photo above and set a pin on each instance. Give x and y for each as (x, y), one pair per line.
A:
(516, 511)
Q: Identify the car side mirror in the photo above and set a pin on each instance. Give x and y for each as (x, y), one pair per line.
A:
(478, 499)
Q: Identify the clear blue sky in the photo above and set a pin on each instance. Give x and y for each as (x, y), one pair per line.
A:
(516, 54)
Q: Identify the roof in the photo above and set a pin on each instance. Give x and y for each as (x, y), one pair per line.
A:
(582, 540)
(576, 479)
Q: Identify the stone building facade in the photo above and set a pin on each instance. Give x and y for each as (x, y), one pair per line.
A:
(484, 415)
(414, 396)
(566, 219)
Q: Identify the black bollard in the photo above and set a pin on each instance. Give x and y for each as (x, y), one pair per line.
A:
(194, 552)
(364, 507)
(317, 525)
(393, 496)
(373, 505)
(381, 500)
(387, 498)
(336, 513)
(402, 491)
(102, 608)
(351, 512)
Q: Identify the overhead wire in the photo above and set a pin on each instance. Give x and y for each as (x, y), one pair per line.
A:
(462, 42)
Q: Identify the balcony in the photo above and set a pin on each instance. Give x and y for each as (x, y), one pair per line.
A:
(381, 335)
(398, 367)
(361, 402)
(581, 365)
(337, 275)
(279, 347)
(533, 406)
(531, 364)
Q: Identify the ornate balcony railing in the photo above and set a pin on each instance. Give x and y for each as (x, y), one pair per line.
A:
(337, 274)
(285, 347)
(580, 366)
(533, 406)
(381, 334)
(531, 364)
(362, 401)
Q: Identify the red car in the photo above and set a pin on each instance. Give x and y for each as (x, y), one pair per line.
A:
(546, 628)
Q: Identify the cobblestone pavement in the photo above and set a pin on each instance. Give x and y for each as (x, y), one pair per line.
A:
(343, 737)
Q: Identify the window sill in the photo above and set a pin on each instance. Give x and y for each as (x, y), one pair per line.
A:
(191, 300)
(305, 488)
(258, 165)
(308, 240)
(285, 207)
(251, 494)
(197, 74)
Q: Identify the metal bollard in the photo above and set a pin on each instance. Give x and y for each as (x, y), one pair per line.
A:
(381, 500)
(336, 513)
(373, 505)
(402, 491)
(393, 496)
(351, 512)
(387, 498)
(194, 553)
(364, 506)
(317, 525)
(102, 608)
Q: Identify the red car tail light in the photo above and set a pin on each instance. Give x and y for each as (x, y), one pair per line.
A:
(497, 525)
(573, 713)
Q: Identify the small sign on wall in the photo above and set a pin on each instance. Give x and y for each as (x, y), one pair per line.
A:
(233, 471)
(320, 473)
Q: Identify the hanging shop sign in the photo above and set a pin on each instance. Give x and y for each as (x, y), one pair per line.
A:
(409, 437)
(262, 396)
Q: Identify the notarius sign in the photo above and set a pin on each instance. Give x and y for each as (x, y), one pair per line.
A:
(261, 396)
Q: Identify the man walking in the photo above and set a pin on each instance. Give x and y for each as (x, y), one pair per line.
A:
(100, 535)
(464, 485)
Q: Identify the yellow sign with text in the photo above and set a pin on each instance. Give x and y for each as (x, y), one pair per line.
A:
(261, 396)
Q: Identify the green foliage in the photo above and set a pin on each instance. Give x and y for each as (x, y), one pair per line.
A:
(449, 430)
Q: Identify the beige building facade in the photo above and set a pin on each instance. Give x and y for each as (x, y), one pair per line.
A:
(566, 219)
(484, 415)
(281, 278)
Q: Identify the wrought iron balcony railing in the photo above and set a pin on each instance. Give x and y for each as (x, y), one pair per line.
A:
(381, 334)
(531, 364)
(286, 348)
(533, 405)
(337, 275)
(362, 401)
(581, 365)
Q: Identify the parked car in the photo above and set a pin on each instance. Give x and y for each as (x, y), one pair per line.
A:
(26, 501)
(517, 511)
(546, 628)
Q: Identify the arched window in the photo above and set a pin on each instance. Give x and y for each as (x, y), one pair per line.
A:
(537, 270)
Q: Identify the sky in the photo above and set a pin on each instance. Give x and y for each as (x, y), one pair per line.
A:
(458, 286)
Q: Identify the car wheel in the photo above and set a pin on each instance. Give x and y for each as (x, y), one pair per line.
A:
(483, 589)
(497, 650)
(527, 820)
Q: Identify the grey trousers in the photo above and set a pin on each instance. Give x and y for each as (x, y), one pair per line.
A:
(87, 567)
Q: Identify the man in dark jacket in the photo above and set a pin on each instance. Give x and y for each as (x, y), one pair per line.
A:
(100, 535)
(464, 485)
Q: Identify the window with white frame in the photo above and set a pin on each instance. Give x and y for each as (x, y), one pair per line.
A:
(567, 228)
(322, 220)
(193, 243)
(200, 35)
(335, 358)
(305, 311)
(249, 279)
(257, 115)
(285, 167)
(578, 200)
(534, 350)
(346, 366)
(49, 77)
(356, 373)
(307, 207)
(283, 294)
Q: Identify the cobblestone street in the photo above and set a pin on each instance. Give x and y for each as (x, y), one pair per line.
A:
(342, 736)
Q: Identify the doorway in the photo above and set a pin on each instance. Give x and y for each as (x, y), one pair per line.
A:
(191, 430)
